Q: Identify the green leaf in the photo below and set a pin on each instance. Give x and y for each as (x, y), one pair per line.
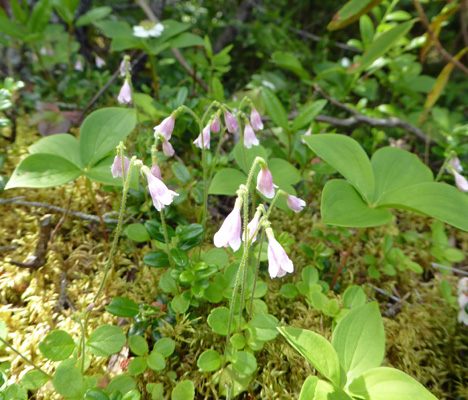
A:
(348, 158)
(156, 259)
(316, 349)
(351, 12)
(275, 109)
(181, 172)
(218, 321)
(103, 130)
(184, 390)
(156, 391)
(40, 16)
(437, 200)
(101, 172)
(381, 45)
(189, 236)
(263, 327)
(209, 361)
(308, 113)
(137, 232)
(186, 39)
(138, 345)
(283, 172)
(156, 361)
(121, 383)
(93, 15)
(113, 29)
(137, 366)
(165, 347)
(180, 304)
(57, 346)
(132, 395)
(359, 340)
(11, 28)
(217, 89)
(388, 384)
(316, 389)
(366, 26)
(342, 206)
(43, 170)
(106, 340)
(290, 62)
(34, 379)
(68, 380)
(396, 168)
(226, 181)
(156, 230)
(62, 145)
(3, 332)
(289, 290)
(250, 155)
(95, 394)
(13, 392)
(218, 257)
(18, 12)
(123, 307)
(245, 363)
(354, 297)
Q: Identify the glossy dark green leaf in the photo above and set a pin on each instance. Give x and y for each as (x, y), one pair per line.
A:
(156, 259)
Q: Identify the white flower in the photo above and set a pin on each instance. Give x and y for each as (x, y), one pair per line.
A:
(146, 30)
(278, 261)
(159, 192)
(230, 232)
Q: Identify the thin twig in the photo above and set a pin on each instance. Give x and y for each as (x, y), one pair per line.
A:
(455, 270)
(178, 55)
(444, 53)
(381, 291)
(317, 38)
(62, 219)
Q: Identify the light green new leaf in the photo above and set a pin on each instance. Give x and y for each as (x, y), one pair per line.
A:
(226, 181)
(359, 340)
(308, 113)
(316, 389)
(185, 390)
(351, 12)
(435, 199)
(348, 158)
(102, 131)
(275, 109)
(343, 206)
(106, 340)
(68, 380)
(381, 45)
(388, 384)
(43, 170)
(209, 361)
(316, 349)
(186, 39)
(93, 15)
(396, 168)
(62, 145)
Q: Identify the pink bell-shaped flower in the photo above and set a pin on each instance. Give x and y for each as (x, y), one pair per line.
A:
(278, 261)
(230, 232)
(460, 181)
(206, 138)
(78, 65)
(294, 203)
(116, 167)
(156, 171)
(99, 62)
(215, 125)
(125, 95)
(161, 195)
(230, 121)
(168, 149)
(265, 183)
(252, 227)
(455, 163)
(165, 128)
(249, 137)
(256, 120)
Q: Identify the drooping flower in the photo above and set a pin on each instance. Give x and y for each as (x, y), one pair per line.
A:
(455, 163)
(165, 128)
(161, 195)
(249, 137)
(168, 149)
(231, 123)
(463, 300)
(230, 232)
(156, 171)
(294, 203)
(215, 125)
(124, 67)
(125, 95)
(307, 133)
(252, 227)
(78, 65)
(116, 167)
(99, 62)
(206, 138)
(460, 181)
(147, 29)
(256, 120)
(278, 261)
(265, 183)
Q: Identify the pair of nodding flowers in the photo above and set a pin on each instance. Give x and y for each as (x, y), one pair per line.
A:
(230, 232)
(231, 124)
